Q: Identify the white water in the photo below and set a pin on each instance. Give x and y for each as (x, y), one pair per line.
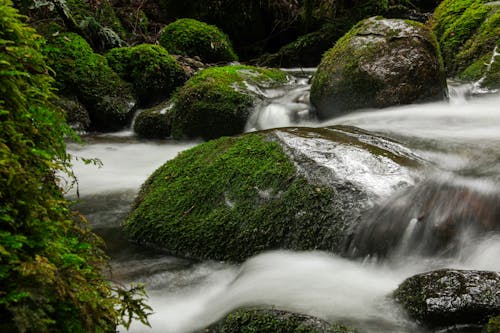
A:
(187, 297)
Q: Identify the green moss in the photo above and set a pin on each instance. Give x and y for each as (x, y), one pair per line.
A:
(194, 38)
(232, 198)
(82, 73)
(215, 102)
(272, 321)
(467, 31)
(151, 69)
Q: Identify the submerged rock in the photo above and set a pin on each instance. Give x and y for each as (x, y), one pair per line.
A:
(218, 101)
(263, 320)
(295, 188)
(379, 63)
(434, 218)
(448, 297)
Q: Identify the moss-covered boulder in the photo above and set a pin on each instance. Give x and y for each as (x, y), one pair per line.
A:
(76, 114)
(294, 188)
(151, 69)
(272, 321)
(218, 101)
(450, 297)
(379, 63)
(81, 73)
(468, 32)
(194, 38)
(155, 122)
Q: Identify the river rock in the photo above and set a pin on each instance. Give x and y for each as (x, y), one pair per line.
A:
(293, 188)
(218, 101)
(155, 122)
(271, 320)
(448, 297)
(379, 63)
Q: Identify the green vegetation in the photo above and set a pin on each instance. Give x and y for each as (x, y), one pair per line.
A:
(216, 101)
(83, 74)
(153, 72)
(272, 321)
(468, 30)
(194, 38)
(493, 325)
(232, 198)
(51, 265)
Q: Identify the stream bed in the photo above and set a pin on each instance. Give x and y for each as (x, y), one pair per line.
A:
(460, 139)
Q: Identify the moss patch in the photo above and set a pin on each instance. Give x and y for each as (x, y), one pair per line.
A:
(82, 73)
(216, 101)
(194, 38)
(151, 69)
(231, 198)
(468, 31)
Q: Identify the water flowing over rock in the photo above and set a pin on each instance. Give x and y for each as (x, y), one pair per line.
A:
(448, 297)
(293, 188)
(379, 63)
(436, 217)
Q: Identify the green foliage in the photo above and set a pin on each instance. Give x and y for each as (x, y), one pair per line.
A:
(216, 102)
(232, 198)
(272, 321)
(194, 38)
(467, 31)
(51, 264)
(154, 73)
(86, 75)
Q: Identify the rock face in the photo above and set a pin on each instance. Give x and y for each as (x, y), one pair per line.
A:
(379, 63)
(263, 320)
(448, 297)
(295, 188)
(218, 101)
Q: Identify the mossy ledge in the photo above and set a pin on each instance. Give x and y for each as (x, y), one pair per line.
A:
(217, 101)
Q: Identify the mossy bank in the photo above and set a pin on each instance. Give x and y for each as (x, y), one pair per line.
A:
(234, 197)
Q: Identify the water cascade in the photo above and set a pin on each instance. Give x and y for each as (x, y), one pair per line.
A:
(448, 220)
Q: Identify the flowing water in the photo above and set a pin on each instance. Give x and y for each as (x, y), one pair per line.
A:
(460, 139)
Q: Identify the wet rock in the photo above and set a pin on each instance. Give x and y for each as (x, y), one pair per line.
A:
(437, 217)
(155, 122)
(379, 63)
(76, 114)
(449, 297)
(218, 101)
(263, 320)
(295, 188)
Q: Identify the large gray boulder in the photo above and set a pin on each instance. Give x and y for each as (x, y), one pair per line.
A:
(448, 297)
(379, 63)
(294, 188)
